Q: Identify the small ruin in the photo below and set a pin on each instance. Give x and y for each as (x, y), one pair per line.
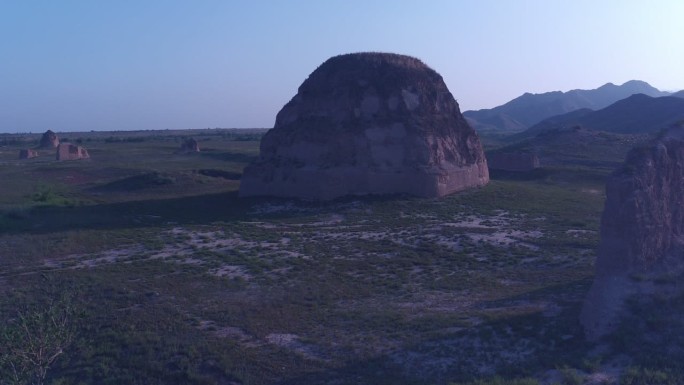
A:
(68, 151)
(518, 162)
(27, 153)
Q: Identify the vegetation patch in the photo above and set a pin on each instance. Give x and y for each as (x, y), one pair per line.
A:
(174, 279)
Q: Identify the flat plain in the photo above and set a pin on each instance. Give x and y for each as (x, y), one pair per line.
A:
(178, 280)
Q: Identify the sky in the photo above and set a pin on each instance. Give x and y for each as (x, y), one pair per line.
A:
(81, 65)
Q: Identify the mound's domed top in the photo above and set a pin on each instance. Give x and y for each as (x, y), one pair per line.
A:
(384, 70)
(368, 123)
(375, 58)
(358, 83)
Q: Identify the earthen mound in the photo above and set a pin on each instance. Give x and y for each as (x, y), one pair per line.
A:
(642, 233)
(138, 182)
(188, 146)
(49, 140)
(368, 123)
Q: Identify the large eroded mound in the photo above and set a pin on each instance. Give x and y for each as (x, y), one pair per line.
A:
(642, 233)
(368, 123)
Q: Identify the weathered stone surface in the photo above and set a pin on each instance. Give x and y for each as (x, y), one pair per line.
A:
(49, 140)
(68, 151)
(27, 153)
(642, 233)
(189, 145)
(368, 123)
(513, 162)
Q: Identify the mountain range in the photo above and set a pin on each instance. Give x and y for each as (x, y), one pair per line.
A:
(636, 114)
(530, 109)
(599, 138)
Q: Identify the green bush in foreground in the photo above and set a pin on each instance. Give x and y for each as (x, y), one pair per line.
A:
(33, 339)
(645, 376)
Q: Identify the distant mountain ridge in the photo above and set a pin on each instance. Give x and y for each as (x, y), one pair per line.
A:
(637, 114)
(530, 109)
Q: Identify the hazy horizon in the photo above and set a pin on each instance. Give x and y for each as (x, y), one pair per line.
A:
(82, 66)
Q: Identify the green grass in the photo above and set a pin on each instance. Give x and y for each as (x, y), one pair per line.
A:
(180, 281)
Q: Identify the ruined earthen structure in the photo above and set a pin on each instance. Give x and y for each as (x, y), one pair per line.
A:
(49, 140)
(27, 153)
(368, 123)
(189, 145)
(513, 162)
(642, 233)
(68, 151)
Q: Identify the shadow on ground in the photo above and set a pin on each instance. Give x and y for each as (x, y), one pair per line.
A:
(192, 210)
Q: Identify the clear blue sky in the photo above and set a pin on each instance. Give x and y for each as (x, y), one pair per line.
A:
(154, 64)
